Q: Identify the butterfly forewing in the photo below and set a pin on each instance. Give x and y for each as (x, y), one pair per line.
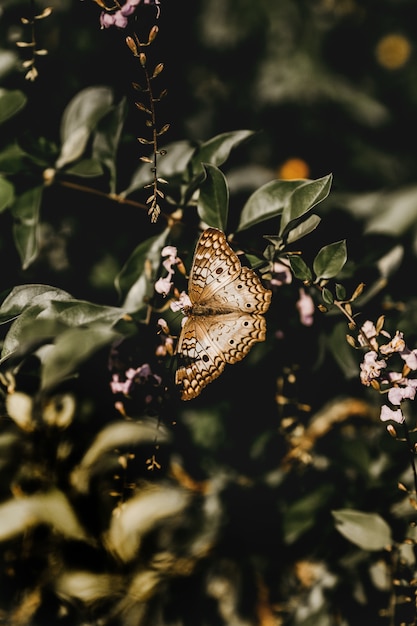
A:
(214, 266)
(225, 318)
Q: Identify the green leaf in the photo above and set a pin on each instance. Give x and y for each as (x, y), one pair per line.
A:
(107, 138)
(25, 212)
(24, 296)
(327, 296)
(217, 149)
(330, 260)
(86, 168)
(80, 118)
(81, 312)
(303, 199)
(6, 193)
(213, 200)
(70, 349)
(12, 159)
(303, 229)
(366, 530)
(135, 282)
(299, 268)
(340, 292)
(11, 103)
(267, 202)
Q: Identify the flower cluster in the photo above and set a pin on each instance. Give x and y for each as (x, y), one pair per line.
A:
(374, 369)
(119, 18)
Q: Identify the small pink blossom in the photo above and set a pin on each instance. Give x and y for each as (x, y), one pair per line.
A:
(368, 329)
(305, 306)
(389, 414)
(371, 367)
(410, 358)
(164, 285)
(119, 18)
(397, 344)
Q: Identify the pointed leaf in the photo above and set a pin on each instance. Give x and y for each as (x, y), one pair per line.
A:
(11, 103)
(107, 138)
(213, 200)
(217, 149)
(79, 120)
(330, 260)
(25, 211)
(70, 349)
(369, 531)
(304, 228)
(267, 202)
(303, 199)
(299, 268)
(136, 280)
(6, 193)
(24, 296)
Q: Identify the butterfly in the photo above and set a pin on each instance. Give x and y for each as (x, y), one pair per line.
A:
(225, 317)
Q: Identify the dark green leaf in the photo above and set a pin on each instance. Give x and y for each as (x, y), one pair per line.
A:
(12, 159)
(266, 202)
(369, 531)
(11, 102)
(135, 283)
(303, 199)
(340, 292)
(299, 268)
(86, 168)
(6, 193)
(327, 296)
(303, 229)
(217, 149)
(107, 138)
(24, 296)
(330, 260)
(80, 119)
(213, 200)
(25, 211)
(71, 348)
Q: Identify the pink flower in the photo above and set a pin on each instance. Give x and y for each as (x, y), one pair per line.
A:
(164, 285)
(368, 329)
(371, 368)
(397, 344)
(388, 414)
(397, 394)
(119, 18)
(410, 358)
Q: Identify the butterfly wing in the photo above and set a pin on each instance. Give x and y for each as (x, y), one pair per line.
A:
(207, 343)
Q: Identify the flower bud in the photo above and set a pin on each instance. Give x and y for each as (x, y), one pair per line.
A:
(132, 45)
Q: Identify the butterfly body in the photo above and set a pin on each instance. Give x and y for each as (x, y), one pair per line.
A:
(225, 317)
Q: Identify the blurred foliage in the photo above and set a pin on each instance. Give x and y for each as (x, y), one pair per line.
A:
(272, 498)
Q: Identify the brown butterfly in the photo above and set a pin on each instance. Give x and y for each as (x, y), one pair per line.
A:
(225, 318)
